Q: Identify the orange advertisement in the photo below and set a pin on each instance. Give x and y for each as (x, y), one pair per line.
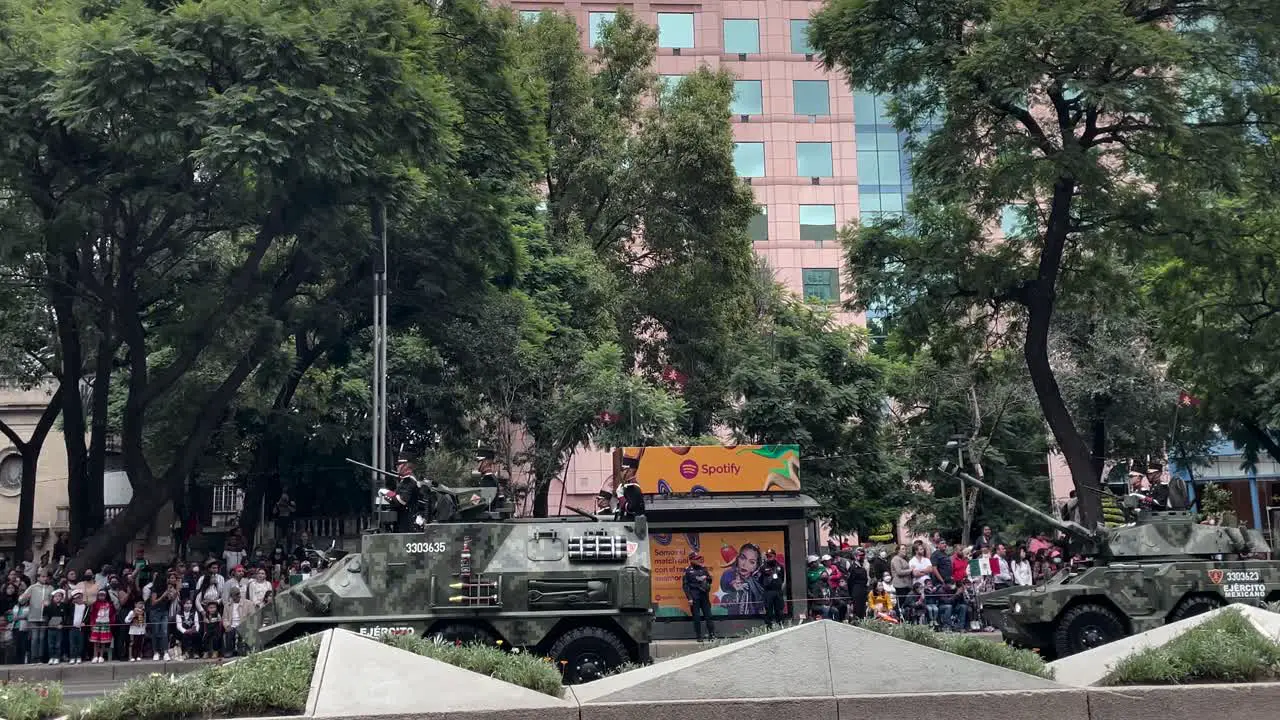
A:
(714, 469)
(734, 559)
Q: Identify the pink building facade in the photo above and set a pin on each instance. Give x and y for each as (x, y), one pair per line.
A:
(796, 143)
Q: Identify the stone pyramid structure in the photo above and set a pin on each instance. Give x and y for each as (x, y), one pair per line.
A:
(823, 660)
(359, 677)
(1090, 667)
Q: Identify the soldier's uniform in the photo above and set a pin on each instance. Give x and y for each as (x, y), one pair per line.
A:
(696, 584)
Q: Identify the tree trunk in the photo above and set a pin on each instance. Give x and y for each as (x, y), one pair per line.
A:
(95, 473)
(1039, 299)
(541, 499)
(73, 422)
(1099, 447)
(142, 509)
(27, 500)
(267, 459)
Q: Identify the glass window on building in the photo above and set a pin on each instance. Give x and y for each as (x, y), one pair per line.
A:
(813, 159)
(1013, 219)
(889, 172)
(800, 38)
(748, 159)
(742, 36)
(595, 25)
(669, 83)
(675, 30)
(818, 222)
(811, 97)
(529, 15)
(748, 98)
(821, 284)
(758, 228)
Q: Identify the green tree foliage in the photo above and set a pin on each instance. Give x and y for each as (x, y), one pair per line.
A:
(802, 378)
(1089, 116)
(1219, 312)
(197, 172)
(934, 405)
(652, 189)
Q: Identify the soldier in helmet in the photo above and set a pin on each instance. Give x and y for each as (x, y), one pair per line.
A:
(408, 498)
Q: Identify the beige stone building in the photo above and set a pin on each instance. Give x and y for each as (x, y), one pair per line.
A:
(20, 409)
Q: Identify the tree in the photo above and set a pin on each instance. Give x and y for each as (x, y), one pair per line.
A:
(802, 378)
(1219, 315)
(227, 150)
(1081, 114)
(613, 261)
(933, 403)
(678, 248)
(28, 352)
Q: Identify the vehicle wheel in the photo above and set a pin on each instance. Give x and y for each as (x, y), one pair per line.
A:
(463, 634)
(1085, 627)
(1194, 605)
(588, 653)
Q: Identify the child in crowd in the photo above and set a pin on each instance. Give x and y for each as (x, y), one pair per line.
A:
(137, 622)
(188, 623)
(18, 619)
(58, 617)
(100, 614)
(212, 630)
(75, 636)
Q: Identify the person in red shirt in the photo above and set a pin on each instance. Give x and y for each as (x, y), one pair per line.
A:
(959, 566)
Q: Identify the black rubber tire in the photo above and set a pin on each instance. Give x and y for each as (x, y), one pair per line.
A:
(465, 634)
(1084, 627)
(588, 653)
(1194, 605)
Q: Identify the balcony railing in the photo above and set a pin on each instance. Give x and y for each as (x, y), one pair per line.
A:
(332, 527)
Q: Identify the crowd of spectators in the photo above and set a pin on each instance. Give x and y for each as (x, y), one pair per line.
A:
(53, 613)
(928, 582)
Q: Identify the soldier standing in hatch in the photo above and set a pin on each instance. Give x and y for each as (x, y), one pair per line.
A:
(408, 497)
(697, 588)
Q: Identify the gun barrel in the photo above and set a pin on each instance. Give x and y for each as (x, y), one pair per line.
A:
(1067, 527)
(370, 467)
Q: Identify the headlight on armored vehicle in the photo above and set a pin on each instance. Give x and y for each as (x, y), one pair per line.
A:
(1017, 608)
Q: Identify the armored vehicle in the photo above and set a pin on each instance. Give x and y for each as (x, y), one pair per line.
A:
(1159, 567)
(575, 590)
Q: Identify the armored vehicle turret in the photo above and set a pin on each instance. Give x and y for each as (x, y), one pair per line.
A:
(1159, 567)
(575, 589)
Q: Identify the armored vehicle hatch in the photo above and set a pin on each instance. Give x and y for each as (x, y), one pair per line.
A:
(1159, 567)
(574, 591)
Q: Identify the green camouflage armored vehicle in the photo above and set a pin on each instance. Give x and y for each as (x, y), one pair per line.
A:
(572, 589)
(1159, 567)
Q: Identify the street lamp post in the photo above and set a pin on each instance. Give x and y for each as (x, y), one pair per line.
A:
(378, 221)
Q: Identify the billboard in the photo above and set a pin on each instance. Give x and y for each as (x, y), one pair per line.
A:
(714, 469)
(734, 559)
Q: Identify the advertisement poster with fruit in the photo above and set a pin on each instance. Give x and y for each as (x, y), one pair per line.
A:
(704, 469)
(734, 559)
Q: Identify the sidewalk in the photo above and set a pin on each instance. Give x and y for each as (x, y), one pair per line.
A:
(119, 672)
(100, 672)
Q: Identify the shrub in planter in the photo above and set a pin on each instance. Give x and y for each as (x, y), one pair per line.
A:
(275, 682)
(527, 671)
(30, 701)
(1225, 649)
(994, 653)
